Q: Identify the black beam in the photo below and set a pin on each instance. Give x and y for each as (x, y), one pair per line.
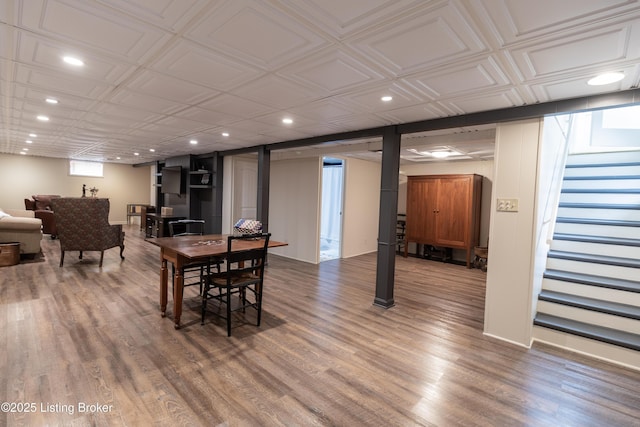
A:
(385, 270)
(217, 172)
(264, 168)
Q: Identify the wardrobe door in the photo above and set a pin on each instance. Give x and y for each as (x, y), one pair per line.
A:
(453, 212)
(421, 199)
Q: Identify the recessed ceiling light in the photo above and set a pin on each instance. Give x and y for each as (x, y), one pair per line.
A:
(28, 141)
(136, 154)
(33, 135)
(43, 118)
(386, 98)
(225, 133)
(51, 101)
(287, 121)
(23, 153)
(605, 79)
(73, 61)
(193, 142)
(118, 158)
(25, 149)
(153, 150)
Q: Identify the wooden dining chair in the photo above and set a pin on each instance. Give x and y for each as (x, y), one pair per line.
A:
(243, 276)
(192, 273)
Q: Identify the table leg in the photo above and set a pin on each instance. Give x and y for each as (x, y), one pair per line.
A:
(164, 275)
(178, 286)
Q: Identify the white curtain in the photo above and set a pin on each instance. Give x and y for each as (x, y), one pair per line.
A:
(331, 204)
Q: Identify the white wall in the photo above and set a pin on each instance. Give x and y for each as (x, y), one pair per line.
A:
(509, 289)
(360, 207)
(294, 207)
(553, 150)
(24, 176)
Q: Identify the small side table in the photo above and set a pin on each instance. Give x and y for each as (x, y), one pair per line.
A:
(9, 254)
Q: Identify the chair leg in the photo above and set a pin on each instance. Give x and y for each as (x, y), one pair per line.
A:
(80, 256)
(204, 302)
(228, 311)
(61, 258)
(121, 251)
(259, 302)
(101, 258)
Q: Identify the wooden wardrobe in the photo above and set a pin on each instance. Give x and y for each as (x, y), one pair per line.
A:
(444, 211)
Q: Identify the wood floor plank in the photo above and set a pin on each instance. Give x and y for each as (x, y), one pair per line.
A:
(323, 356)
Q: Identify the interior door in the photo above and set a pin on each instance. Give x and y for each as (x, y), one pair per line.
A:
(245, 190)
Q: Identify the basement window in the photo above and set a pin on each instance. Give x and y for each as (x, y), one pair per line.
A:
(84, 168)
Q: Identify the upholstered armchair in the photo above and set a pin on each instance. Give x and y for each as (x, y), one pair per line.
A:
(41, 205)
(83, 225)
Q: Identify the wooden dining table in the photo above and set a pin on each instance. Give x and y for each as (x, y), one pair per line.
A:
(183, 250)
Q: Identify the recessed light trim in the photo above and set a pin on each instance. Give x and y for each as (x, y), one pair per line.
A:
(43, 118)
(605, 79)
(28, 141)
(51, 101)
(287, 120)
(33, 135)
(225, 133)
(71, 60)
(386, 98)
(153, 150)
(193, 142)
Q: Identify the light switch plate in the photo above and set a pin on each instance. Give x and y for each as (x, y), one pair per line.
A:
(507, 205)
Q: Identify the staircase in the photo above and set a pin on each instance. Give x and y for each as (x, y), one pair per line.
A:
(590, 298)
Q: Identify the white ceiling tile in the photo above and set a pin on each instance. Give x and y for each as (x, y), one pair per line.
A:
(207, 117)
(170, 88)
(276, 92)
(466, 78)
(62, 82)
(333, 71)
(145, 102)
(517, 21)
(422, 41)
(342, 17)
(168, 14)
(236, 106)
(92, 27)
(256, 33)
(472, 104)
(189, 61)
(572, 54)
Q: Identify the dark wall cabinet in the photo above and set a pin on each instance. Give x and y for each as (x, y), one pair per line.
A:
(444, 211)
(202, 197)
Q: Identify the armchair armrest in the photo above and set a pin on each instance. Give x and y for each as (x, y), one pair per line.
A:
(48, 221)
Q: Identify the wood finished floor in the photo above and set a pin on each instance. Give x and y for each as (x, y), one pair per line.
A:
(324, 354)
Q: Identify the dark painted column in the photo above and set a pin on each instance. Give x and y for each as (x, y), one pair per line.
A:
(385, 272)
(218, 180)
(264, 168)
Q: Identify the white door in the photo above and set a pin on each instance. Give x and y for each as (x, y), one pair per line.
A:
(245, 189)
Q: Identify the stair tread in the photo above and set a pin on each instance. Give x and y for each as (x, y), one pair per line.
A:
(623, 241)
(600, 191)
(571, 165)
(593, 304)
(599, 205)
(592, 221)
(596, 259)
(591, 280)
(600, 333)
(599, 177)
